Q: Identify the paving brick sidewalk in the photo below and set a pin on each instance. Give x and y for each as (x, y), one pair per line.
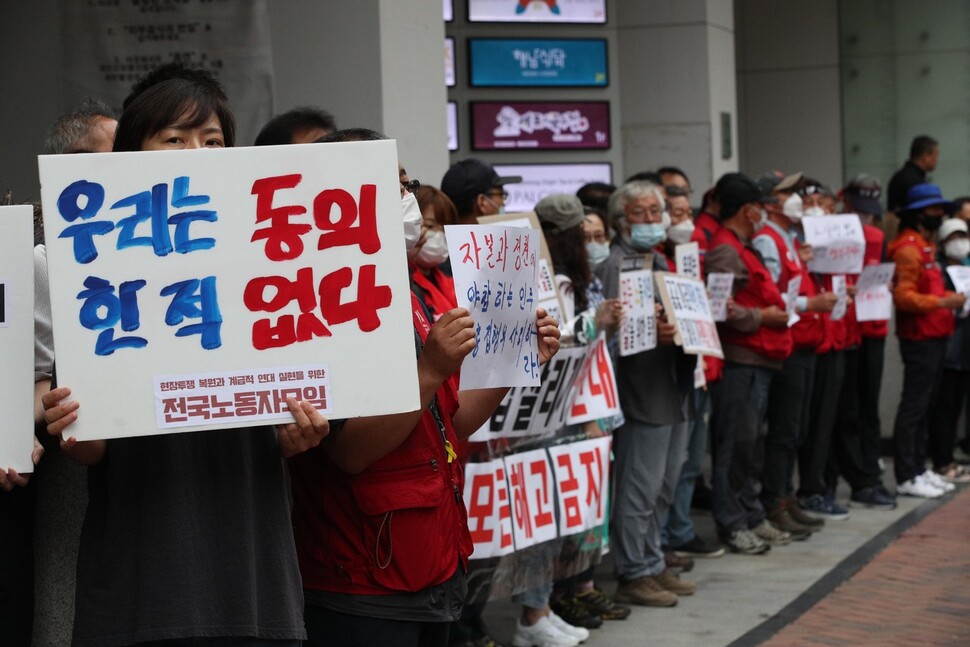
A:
(915, 592)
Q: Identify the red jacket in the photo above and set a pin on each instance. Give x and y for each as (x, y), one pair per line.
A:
(919, 286)
(398, 526)
(438, 290)
(760, 292)
(874, 242)
(705, 226)
(809, 332)
(836, 331)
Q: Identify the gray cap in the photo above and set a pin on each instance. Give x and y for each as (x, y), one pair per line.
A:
(560, 211)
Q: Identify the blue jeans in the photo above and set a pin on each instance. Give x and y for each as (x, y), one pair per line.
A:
(742, 399)
(679, 528)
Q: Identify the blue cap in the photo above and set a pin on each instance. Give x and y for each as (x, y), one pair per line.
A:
(920, 196)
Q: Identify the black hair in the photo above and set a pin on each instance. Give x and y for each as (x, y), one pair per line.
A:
(568, 251)
(176, 101)
(165, 73)
(646, 176)
(281, 128)
(352, 135)
(595, 194)
(672, 170)
(922, 145)
(676, 191)
(959, 202)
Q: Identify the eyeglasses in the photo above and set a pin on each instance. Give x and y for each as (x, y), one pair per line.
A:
(638, 212)
(498, 193)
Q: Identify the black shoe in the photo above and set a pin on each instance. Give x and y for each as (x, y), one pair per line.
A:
(872, 497)
(696, 547)
(598, 603)
(572, 610)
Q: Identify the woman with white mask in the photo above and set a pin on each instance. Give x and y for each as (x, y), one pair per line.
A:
(430, 270)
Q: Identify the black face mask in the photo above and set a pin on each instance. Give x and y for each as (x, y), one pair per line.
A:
(931, 223)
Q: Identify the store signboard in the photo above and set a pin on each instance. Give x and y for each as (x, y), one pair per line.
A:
(514, 62)
(552, 11)
(540, 180)
(504, 125)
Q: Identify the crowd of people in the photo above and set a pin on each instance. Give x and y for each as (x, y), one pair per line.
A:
(355, 532)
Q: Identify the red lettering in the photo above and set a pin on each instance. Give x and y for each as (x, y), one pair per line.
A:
(348, 211)
(282, 236)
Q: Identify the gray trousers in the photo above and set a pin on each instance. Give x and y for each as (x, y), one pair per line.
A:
(648, 460)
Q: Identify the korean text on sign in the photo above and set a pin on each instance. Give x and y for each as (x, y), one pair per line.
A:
(838, 244)
(873, 300)
(685, 301)
(229, 261)
(638, 332)
(496, 271)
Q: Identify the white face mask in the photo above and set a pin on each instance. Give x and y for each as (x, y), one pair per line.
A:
(434, 252)
(793, 207)
(763, 221)
(665, 219)
(814, 211)
(957, 249)
(681, 232)
(412, 220)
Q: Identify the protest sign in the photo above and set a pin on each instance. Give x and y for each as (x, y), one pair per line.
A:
(17, 337)
(595, 395)
(687, 258)
(582, 483)
(842, 297)
(719, 285)
(838, 245)
(496, 272)
(532, 495)
(638, 330)
(540, 410)
(960, 275)
(190, 289)
(489, 511)
(791, 300)
(685, 303)
(873, 299)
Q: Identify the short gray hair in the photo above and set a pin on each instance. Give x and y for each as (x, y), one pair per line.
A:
(628, 193)
(69, 130)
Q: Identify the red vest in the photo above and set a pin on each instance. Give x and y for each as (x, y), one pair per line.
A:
(836, 333)
(705, 226)
(438, 289)
(760, 292)
(398, 526)
(809, 332)
(938, 322)
(874, 241)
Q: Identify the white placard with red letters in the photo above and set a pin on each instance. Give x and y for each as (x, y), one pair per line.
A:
(489, 509)
(838, 244)
(183, 266)
(532, 492)
(873, 299)
(582, 483)
(596, 395)
(17, 337)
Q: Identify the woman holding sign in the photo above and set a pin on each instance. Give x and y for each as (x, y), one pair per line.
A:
(187, 537)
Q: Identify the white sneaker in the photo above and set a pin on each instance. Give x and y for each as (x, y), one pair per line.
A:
(919, 487)
(579, 633)
(937, 481)
(541, 634)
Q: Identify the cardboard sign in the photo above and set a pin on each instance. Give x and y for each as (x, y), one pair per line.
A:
(791, 300)
(719, 286)
(873, 298)
(17, 337)
(496, 271)
(842, 296)
(638, 330)
(197, 289)
(687, 257)
(596, 393)
(838, 244)
(685, 303)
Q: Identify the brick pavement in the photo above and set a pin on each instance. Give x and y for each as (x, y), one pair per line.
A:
(915, 592)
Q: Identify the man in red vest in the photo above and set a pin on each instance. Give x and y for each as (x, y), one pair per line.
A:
(924, 322)
(756, 341)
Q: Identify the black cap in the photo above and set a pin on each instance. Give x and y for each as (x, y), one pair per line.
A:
(863, 194)
(466, 179)
(738, 190)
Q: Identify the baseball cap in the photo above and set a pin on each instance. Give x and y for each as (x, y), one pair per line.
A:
(470, 177)
(777, 181)
(737, 191)
(862, 193)
(951, 226)
(560, 211)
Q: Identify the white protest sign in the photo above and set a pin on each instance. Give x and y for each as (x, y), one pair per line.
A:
(538, 410)
(838, 244)
(596, 394)
(638, 330)
(719, 285)
(841, 292)
(582, 479)
(960, 275)
(532, 493)
(17, 337)
(198, 289)
(687, 257)
(496, 272)
(873, 299)
(791, 300)
(685, 303)
(489, 509)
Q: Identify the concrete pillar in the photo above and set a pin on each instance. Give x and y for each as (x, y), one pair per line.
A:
(374, 64)
(677, 76)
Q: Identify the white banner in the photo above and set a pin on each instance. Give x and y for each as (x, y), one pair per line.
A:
(838, 244)
(182, 265)
(532, 491)
(638, 330)
(17, 337)
(873, 299)
(496, 272)
(582, 483)
(596, 394)
(489, 509)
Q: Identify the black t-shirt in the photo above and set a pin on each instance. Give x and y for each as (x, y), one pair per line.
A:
(188, 535)
(901, 183)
